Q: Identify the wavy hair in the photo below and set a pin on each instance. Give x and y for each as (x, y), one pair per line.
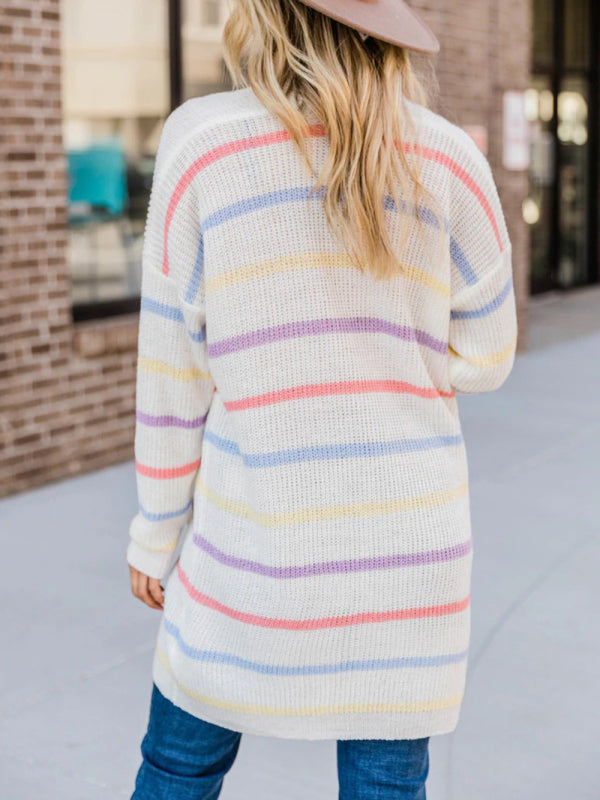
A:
(303, 64)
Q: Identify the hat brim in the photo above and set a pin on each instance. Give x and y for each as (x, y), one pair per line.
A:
(390, 20)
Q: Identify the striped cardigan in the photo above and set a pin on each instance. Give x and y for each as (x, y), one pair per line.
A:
(298, 431)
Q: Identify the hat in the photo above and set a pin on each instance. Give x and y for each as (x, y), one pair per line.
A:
(391, 20)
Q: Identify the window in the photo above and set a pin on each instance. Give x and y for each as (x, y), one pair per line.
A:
(543, 32)
(563, 109)
(126, 64)
(115, 99)
(201, 35)
(211, 15)
(576, 32)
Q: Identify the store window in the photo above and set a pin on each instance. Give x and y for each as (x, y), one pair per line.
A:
(126, 64)
(576, 33)
(203, 69)
(115, 79)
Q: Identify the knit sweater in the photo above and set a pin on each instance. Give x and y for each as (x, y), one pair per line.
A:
(298, 431)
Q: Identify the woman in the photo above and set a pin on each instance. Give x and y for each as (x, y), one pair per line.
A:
(326, 266)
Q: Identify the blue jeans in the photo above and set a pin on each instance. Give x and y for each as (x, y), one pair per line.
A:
(186, 758)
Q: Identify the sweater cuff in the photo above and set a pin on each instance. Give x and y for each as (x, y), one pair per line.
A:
(154, 563)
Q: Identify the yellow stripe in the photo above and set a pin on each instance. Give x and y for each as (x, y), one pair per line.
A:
(290, 711)
(156, 366)
(332, 512)
(275, 266)
(487, 361)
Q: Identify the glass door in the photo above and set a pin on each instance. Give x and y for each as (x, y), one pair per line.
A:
(574, 182)
(562, 103)
(539, 210)
(203, 69)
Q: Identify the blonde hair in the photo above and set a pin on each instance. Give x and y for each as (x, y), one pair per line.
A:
(301, 64)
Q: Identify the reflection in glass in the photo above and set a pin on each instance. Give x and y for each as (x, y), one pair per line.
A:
(572, 117)
(115, 99)
(576, 33)
(574, 181)
(202, 30)
(537, 209)
(543, 13)
(560, 106)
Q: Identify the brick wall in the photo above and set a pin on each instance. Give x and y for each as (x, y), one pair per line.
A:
(67, 396)
(66, 402)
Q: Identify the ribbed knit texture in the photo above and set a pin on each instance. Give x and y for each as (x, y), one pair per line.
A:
(301, 417)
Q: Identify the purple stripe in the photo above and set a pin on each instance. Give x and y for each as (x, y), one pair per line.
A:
(332, 567)
(313, 327)
(168, 420)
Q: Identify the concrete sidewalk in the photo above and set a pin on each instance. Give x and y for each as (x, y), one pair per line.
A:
(77, 647)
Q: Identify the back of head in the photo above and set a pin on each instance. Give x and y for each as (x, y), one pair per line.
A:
(309, 69)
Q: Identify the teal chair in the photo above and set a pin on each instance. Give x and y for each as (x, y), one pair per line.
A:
(97, 196)
(97, 176)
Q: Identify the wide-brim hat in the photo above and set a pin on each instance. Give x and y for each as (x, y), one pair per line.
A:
(390, 20)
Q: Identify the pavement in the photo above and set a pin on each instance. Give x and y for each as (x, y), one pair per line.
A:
(77, 647)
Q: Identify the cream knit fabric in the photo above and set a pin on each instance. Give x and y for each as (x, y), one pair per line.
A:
(302, 418)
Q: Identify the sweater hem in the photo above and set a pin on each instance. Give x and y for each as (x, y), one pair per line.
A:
(347, 726)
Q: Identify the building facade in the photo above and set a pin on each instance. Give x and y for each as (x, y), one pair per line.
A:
(86, 87)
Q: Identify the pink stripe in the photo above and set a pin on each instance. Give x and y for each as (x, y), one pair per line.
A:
(341, 387)
(168, 472)
(276, 137)
(463, 175)
(323, 622)
(226, 149)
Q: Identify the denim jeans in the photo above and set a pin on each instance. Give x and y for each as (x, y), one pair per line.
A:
(186, 758)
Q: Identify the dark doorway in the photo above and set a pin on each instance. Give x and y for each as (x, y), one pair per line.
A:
(563, 107)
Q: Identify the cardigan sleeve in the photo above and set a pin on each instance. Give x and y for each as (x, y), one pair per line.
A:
(174, 386)
(483, 320)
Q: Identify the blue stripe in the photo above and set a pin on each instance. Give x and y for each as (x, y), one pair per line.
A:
(390, 205)
(320, 452)
(165, 515)
(301, 193)
(427, 215)
(194, 281)
(197, 336)
(258, 202)
(495, 303)
(424, 213)
(461, 261)
(172, 313)
(162, 309)
(216, 657)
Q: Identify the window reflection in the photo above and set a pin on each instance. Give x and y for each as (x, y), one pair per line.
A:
(115, 99)
(560, 104)
(537, 209)
(202, 29)
(543, 12)
(576, 33)
(572, 117)
(574, 181)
